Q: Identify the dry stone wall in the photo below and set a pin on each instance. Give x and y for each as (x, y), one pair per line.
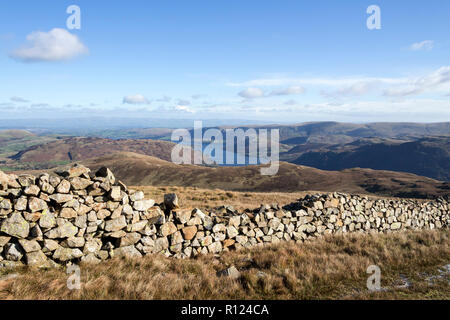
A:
(76, 215)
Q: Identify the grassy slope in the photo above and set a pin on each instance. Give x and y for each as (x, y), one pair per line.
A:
(327, 268)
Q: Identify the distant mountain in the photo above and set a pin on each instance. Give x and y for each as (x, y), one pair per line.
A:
(137, 169)
(426, 156)
(337, 132)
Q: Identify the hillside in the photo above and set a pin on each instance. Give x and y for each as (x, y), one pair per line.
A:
(81, 148)
(426, 157)
(137, 169)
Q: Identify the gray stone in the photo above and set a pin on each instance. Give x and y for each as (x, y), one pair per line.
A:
(29, 245)
(66, 254)
(61, 198)
(129, 252)
(36, 204)
(13, 252)
(171, 201)
(47, 220)
(15, 226)
(67, 230)
(143, 205)
(116, 224)
(36, 259)
(230, 272)
(63, 187)
(104, 172)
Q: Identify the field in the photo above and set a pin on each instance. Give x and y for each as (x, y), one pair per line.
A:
(328, 268)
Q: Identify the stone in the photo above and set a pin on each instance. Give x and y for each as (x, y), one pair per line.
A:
(75, 242)
(171, 201)
(241, 239)
(129, 239)
(50, 245)
(13, 252)
(36, 204)
(219, 228)
(76, 170)
(161, 244)
(61, 198)
(333, 203)
(154, 215)
(116, 224)
(138, 226)
(104, 172)
(232, 232)
(129, 252)
(235, 221)
(189, 232)
(47, 220)
(21, 204)
(183, 216)
(5, 204)
(176, 238)
(103, 213)
(230, 272)
(67, 230)
(4, 240)
(127, 210)
(29, 245)
(26, 180)
(167, 229)
(143, 205)
(54, 181)
(32, 190)
(215, 247)
(8, 181)
(228, 243)
(15, 226)
(63, 187)
(90, 258)
(137, 196)
(47, 188)
(78, 183)
(206, 241)
(396, 226)
(67, 254)
(115, 193)
(92, 246)
(68, 213)
(36, 259)
(81, 221)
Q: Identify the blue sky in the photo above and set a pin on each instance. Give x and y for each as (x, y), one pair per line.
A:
(281, 61)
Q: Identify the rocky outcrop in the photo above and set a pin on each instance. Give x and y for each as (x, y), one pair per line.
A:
(77, 215)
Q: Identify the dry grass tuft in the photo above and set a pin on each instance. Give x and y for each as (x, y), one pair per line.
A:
(328, 268)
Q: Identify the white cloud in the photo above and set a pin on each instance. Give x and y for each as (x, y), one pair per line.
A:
(438, 80)
(55, 45)
(184, 102)
(355, 89)
(290, 102)
(332, 82)
(424, 45)
(184, 109)
(288, 91)
(136, 99)
(251, 93)
(18, 99)
(420, 85)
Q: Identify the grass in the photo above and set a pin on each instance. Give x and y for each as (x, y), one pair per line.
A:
(192, 197)
(327, 268)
